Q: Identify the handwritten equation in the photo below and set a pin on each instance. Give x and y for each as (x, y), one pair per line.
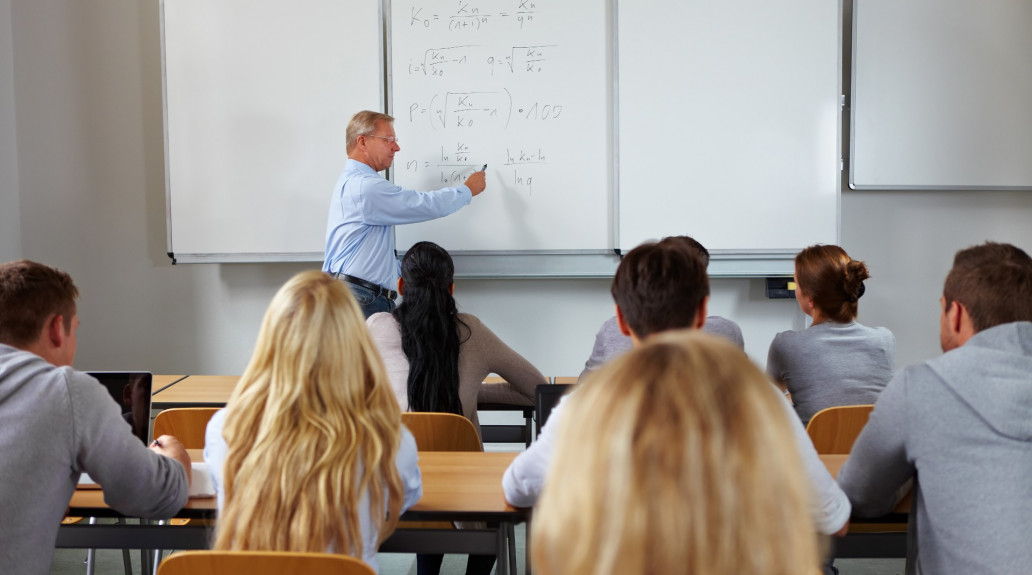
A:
(453, 165)
(440, 62)
(469, 16)
(489, 109)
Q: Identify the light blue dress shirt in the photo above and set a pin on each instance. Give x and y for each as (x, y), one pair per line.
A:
(216, 451)
(364, 209)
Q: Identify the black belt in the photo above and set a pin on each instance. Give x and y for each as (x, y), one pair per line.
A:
(380, 290)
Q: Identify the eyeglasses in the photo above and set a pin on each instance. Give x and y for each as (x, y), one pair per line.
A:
(390, 139)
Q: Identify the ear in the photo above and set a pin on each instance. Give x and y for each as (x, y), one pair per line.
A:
(622, 323)
(700, 315)
(401, 286)
(963, 326)
(451, 288)
(953, 316)
(54, 332)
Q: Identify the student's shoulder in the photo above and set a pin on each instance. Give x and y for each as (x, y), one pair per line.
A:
(882, 334)
(382, 322)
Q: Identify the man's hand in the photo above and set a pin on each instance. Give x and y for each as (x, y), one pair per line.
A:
(476, 182)
(169, 446)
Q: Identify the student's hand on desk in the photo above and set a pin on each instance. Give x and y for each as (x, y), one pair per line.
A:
(169, 446)
(476, 182)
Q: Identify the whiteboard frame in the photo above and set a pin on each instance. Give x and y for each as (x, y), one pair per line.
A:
(558, 264)
(852, 131)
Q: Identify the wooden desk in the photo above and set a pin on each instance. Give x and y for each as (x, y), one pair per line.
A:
(160, 382)
(196, 391)
(457, 486)
(871, 538)
(214, 391)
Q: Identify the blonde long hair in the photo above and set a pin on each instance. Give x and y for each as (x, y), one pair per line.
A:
(675, 458)
(311, 427)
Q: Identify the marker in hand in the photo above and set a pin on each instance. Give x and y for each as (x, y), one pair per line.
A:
(484, 169)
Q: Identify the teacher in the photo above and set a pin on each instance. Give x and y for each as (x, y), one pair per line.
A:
(365, 207)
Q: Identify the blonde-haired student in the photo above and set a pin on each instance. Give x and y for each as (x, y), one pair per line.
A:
(310, 454)
(676, 458)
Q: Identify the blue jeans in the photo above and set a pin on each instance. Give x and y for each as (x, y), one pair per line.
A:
(369, 301)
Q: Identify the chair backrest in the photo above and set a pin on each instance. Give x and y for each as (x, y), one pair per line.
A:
(186, 423)
(261, 563)
(835, 429)
(546, 397)
(442, 431)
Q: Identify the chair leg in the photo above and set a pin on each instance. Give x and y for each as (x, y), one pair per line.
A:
(127, 562)
(510, 533)
(91, 554)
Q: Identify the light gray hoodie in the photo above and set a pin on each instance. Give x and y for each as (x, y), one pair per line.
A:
(961, 425)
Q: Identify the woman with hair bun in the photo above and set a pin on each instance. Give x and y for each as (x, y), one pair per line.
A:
(837, 360)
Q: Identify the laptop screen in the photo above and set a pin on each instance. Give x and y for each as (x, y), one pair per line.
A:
(131, 390)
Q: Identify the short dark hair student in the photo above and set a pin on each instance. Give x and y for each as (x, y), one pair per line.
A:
(675, 274)
(611, 341)
(837, 360)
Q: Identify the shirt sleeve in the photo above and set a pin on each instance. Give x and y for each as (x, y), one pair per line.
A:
(385, 204)
(829, 505)
(136, 480)
(407, 461)
(521, 377)
(879, 466)
(525, 476)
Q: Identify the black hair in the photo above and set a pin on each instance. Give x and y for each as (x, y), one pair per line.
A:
(430, 327)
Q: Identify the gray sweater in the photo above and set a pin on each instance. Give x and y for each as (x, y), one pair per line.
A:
(831, 364)
(961, 426)
(56, 423)
(609, 342)
(483, 353)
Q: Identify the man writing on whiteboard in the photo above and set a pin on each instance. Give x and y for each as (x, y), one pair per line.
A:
(365, 207)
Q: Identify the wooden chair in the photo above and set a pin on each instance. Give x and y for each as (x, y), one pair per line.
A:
(442, 431)
(835, 429)
(261, 563)
(447, 432)
(186, 423)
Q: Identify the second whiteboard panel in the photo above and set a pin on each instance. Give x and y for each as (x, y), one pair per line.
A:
(524, 87)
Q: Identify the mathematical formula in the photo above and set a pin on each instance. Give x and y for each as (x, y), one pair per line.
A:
(489, 109)
(469, 16)
(441, 62)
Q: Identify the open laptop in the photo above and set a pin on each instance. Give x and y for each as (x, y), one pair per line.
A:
(131, 391)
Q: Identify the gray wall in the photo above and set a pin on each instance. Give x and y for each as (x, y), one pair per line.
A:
(88, 189)
(10, 216)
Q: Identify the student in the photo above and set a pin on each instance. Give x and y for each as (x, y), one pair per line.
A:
(611, 342)
(837, 360)
(659, 287)
(960, 426)
(436, 357)
(58, 423)
(310, 454)
(676, 458)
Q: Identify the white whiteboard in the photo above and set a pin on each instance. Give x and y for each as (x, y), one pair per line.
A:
(523, 86)
(257, 95)
(729, 122)
(942, 94)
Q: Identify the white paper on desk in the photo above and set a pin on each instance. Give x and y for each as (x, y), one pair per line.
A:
(201, 485)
